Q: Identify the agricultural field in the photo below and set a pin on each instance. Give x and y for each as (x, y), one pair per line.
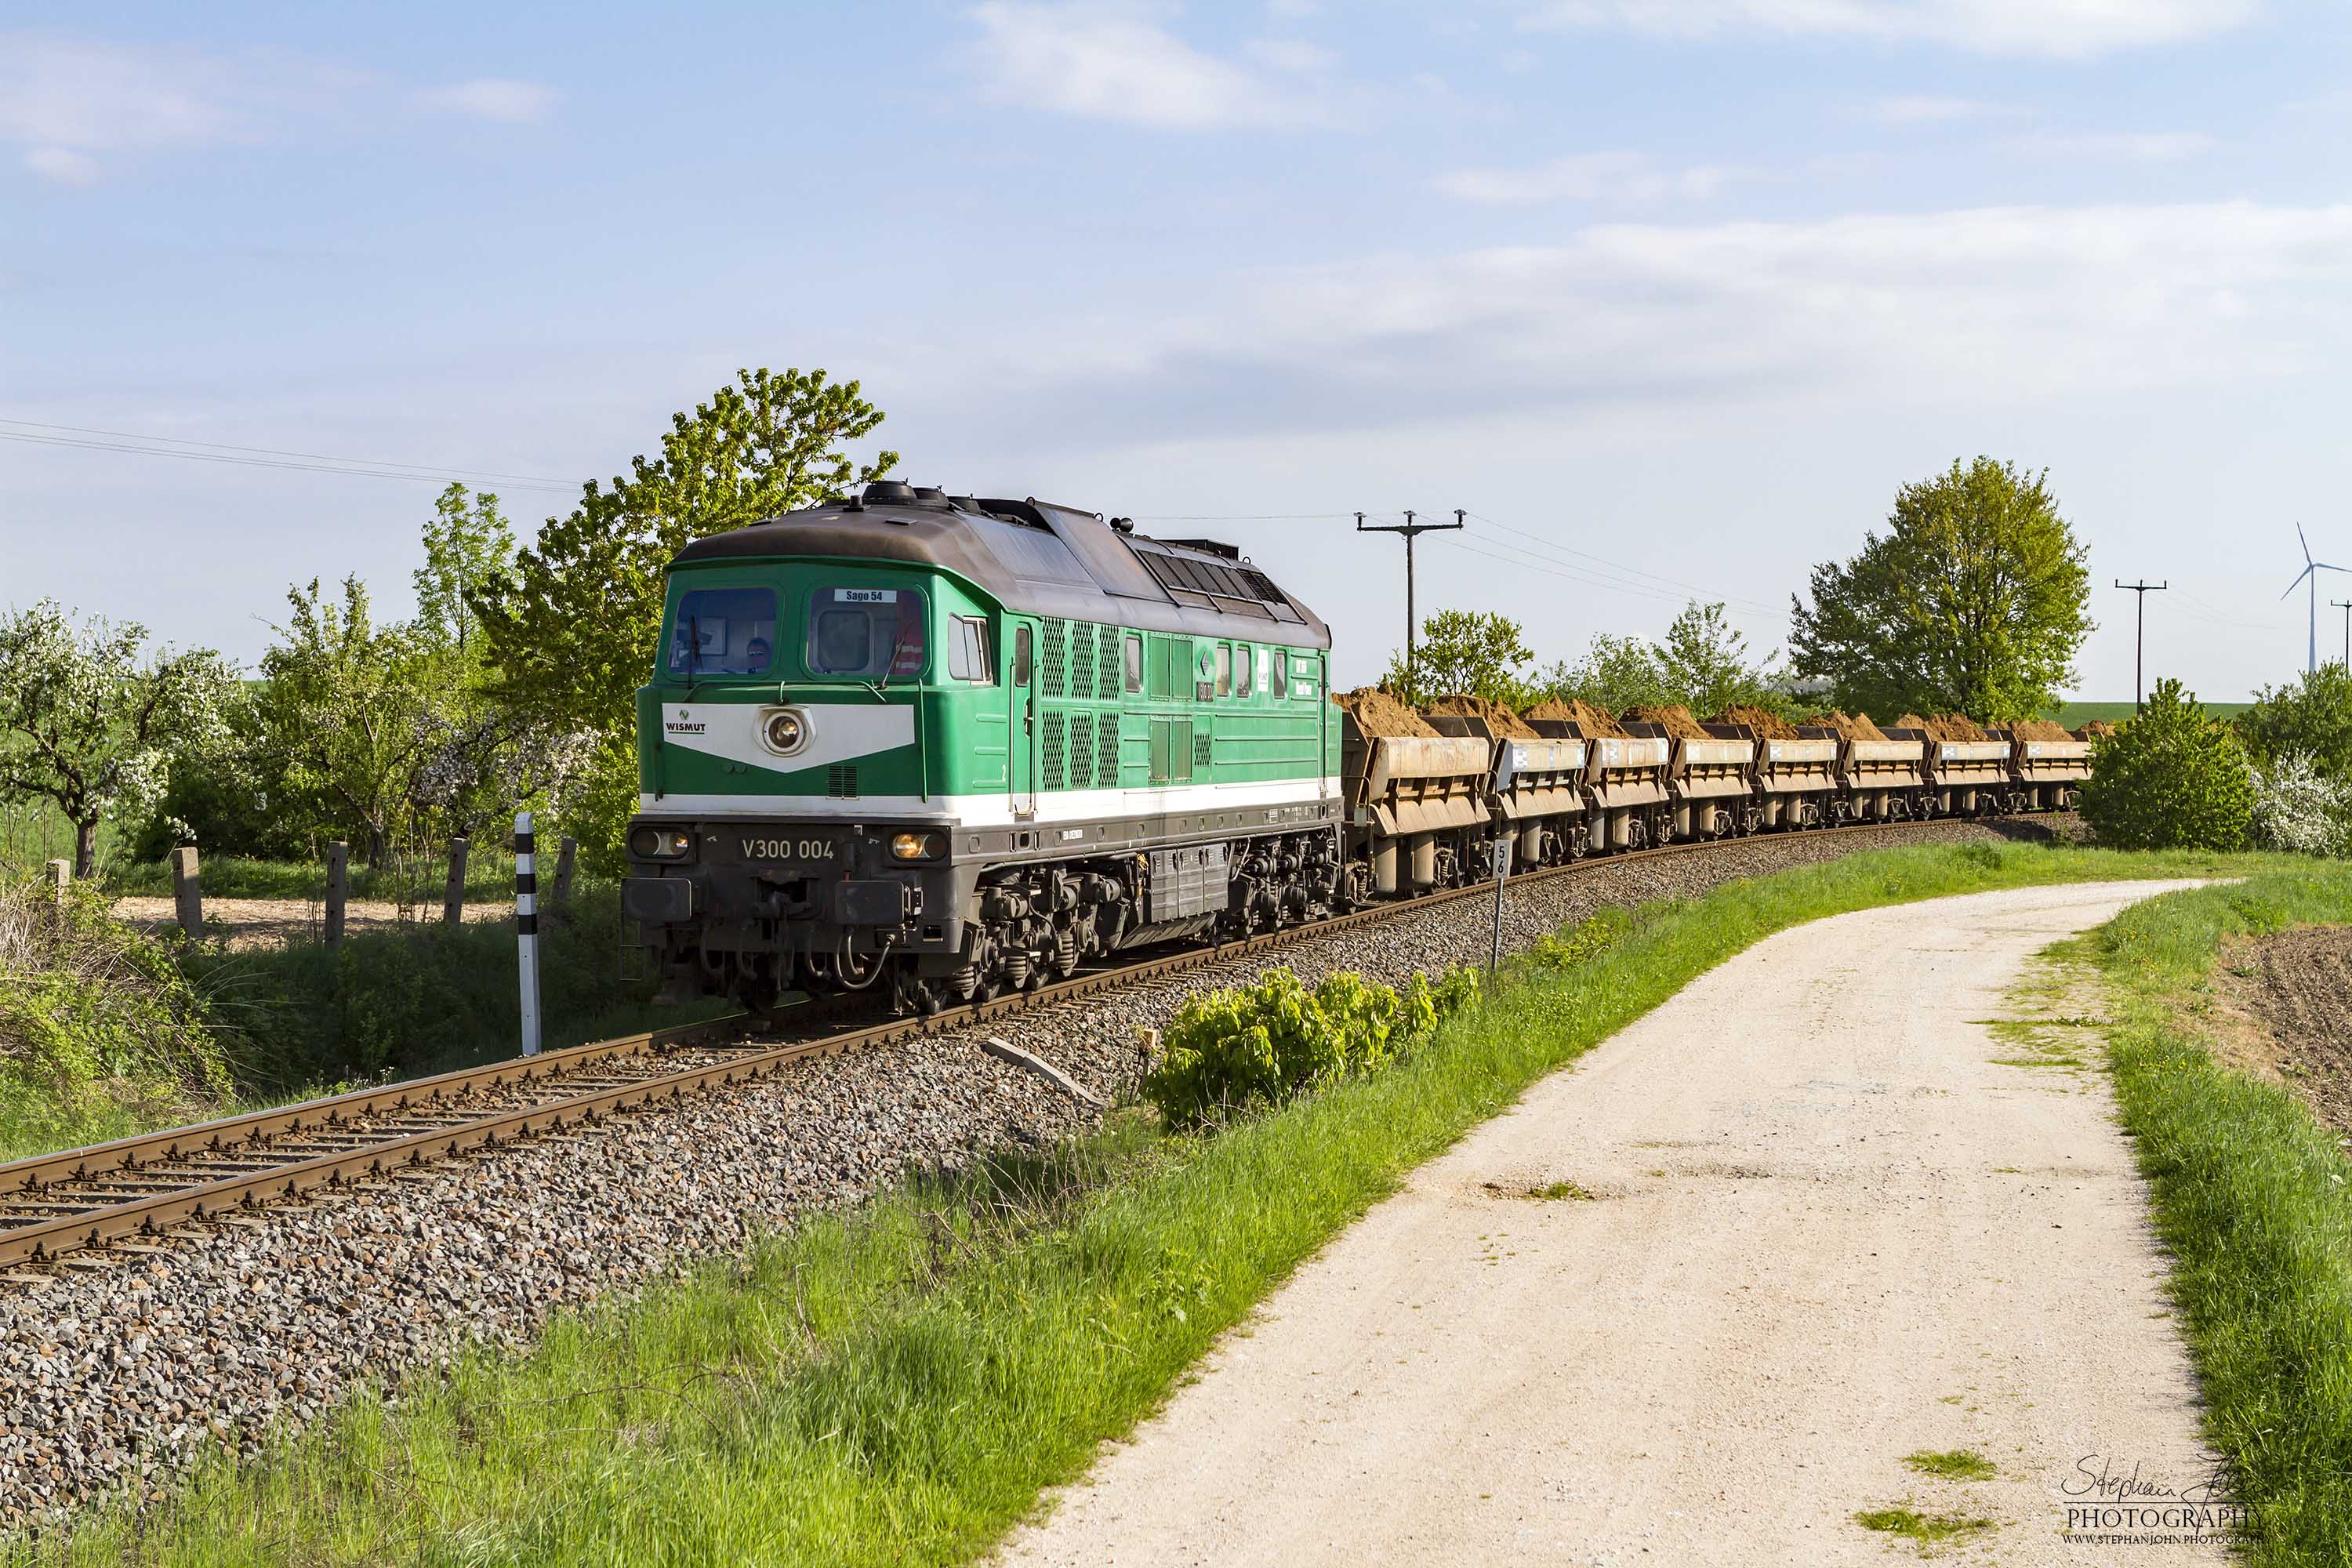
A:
(2075, 715)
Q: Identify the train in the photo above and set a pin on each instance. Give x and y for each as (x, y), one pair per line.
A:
(938, 747)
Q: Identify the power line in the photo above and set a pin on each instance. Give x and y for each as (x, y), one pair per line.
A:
(1527, 562)
(1620, 566)
(1523, 558)
(259, 458)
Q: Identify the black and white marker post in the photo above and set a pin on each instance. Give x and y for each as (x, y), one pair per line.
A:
(1502, 871)
(527, 930)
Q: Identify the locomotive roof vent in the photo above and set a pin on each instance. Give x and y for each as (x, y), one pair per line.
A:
(888, 492)
(931, 495)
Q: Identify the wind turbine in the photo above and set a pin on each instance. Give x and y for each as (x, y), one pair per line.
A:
(2311, 570)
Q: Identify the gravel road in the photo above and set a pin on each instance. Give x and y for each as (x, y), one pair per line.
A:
(1831, 1226)
(113, 1374)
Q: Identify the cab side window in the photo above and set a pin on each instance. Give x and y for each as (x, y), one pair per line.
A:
(1244, 663)
(1280, 685)
(967, 650)
(1131, 653)
(1224, 670)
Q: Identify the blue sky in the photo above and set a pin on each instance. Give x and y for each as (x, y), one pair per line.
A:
(1670, 294)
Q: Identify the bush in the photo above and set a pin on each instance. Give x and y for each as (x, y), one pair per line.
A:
(96, 1023)
(1265, 1042)
(2299, 809)
(2311, 719)
(2171, 778)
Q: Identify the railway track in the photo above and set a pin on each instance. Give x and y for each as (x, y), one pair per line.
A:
(56, 1208)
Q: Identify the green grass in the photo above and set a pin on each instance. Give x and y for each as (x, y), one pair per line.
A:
(896, 1384)
(1926, 1528)
(104, 1031)
(422, 998)
(2075, 715)
(2254, 1199)
(1952, 1465)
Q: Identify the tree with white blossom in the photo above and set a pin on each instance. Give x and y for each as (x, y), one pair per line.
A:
(91, 718)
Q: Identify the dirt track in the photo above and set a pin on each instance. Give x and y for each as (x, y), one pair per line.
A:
(271, 922)
(1829, 1229)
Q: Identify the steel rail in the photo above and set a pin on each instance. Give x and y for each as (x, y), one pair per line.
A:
(246, 1139)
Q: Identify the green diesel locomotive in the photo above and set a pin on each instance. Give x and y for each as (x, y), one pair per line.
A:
(940, 746)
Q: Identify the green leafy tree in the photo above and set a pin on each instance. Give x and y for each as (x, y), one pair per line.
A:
(469, 546)
(1705, 663)
(2172, 777)
(1615, 673)
(572, 625)
(348, 710)
(2312, 718)
(1974, 600)
(1460, 653)
(90, 720)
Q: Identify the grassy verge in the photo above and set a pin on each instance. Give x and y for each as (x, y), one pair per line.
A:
(2250, 1197)
(422, 998)
(896, 1384)
(105, 1031)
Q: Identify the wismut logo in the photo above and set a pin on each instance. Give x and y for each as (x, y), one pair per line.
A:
(674, 728)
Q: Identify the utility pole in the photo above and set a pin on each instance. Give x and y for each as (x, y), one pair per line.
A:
(2139, 636)
(2345, 606)
(1412, 531)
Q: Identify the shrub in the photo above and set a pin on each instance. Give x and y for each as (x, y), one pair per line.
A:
(95, 1019)
(2171, 778)
(2298, 808)
(1262, 1043)
(2311, 719)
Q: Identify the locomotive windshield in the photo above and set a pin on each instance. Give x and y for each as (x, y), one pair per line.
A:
(724, 631)
(866, 633)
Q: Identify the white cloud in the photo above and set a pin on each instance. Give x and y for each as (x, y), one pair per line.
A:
(2061, 27)
(2002, 305)
(2136, 147)
(1104, 60)
(64, 100)
(492, 98)
(62, 165)
(1586, 176)
(1930, 110)
(75, 107)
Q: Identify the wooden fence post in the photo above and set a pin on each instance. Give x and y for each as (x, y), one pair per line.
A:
(452, 899)
(187, 891)
(338, 889)
(565, 849)
(62, 877)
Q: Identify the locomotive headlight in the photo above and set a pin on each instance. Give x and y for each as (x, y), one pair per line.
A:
(660, 843)
(787, 731)
(916, 846)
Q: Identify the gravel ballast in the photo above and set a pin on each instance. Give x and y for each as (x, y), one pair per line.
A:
(115, 1373)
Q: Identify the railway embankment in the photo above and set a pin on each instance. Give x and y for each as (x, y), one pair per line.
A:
(965, 1340)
